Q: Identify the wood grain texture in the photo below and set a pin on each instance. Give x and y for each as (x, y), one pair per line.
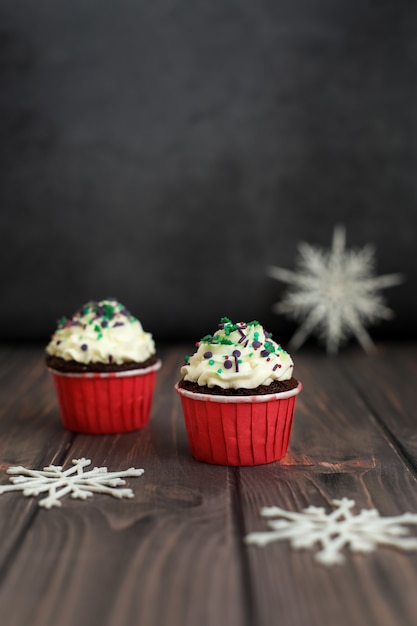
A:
(174, 555)
(387, 383)
(338, 449)
(169, 556)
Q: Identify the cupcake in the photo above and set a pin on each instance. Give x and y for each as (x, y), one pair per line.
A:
(104, 367)
(238, 394)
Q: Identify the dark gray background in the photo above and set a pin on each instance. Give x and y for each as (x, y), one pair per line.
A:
(167, 151)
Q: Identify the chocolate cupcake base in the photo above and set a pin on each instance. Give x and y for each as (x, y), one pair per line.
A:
(61, 365)
(276, 386)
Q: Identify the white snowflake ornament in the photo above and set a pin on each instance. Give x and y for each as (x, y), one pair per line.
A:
(336, 530)
(74, 480)
(334, 293)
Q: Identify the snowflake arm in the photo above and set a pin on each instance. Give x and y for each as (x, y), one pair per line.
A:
(336, 530)
(74, 481)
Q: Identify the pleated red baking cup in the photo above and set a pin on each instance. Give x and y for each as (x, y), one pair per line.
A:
(105, 402)
(238, 430)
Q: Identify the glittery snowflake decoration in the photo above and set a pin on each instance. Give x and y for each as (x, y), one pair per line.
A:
(334, 293)
(336, 530)
(74, 480)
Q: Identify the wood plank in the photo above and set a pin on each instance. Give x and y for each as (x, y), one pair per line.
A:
(30, 434)
(387, 382)
(170, 556)
(337, 449)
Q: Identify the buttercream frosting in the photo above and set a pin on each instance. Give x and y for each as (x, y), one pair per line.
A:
(101, 332)
(241, 355)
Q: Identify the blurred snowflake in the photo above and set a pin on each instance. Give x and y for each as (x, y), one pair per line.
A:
(334, 293)
(336, 530)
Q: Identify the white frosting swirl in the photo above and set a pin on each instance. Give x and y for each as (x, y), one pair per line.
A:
(101, 332)
(238, 356)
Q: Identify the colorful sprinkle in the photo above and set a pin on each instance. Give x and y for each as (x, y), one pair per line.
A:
(208, 355)
(236, 354)
(84, 347)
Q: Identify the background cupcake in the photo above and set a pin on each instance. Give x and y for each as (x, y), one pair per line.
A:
(238, 395)
(104, 367)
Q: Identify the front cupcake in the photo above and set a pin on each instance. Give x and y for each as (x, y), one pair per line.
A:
(104, 368)
(238, 396)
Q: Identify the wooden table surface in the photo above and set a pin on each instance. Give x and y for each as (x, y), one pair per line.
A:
(174, 554)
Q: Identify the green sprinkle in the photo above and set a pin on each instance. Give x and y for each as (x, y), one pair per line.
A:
(108, 310)
(211, 362)
(186, 358)
(97, 328)
(219, 371)
(206, 338)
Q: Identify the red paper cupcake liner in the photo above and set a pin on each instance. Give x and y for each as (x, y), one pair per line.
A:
(238, 430)
(105, 402)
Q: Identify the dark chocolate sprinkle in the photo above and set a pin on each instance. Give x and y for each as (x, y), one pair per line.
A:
(84, 347)
(208, 355)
